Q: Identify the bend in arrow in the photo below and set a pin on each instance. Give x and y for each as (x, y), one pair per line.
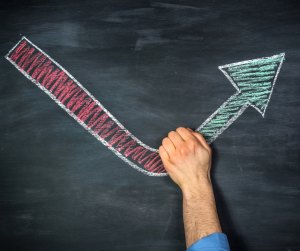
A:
(254, 81)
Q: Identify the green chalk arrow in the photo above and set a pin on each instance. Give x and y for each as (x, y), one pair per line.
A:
(254, 81)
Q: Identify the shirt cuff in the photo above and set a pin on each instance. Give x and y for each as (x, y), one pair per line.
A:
(212, 242)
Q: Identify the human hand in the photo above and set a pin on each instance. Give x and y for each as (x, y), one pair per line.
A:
(187, 158)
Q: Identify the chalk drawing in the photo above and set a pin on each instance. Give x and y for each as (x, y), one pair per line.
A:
(254, 81)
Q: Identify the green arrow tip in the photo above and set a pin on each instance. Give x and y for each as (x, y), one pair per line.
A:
(255, 79)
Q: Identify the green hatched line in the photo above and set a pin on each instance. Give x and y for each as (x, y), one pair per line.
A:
(255, 63)
(257, 84)
(254, 80)
(240, 78)
(257, 73)
(261, 68)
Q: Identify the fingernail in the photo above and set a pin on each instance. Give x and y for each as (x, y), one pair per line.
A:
(189, 129)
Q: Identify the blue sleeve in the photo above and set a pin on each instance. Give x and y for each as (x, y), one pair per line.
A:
(212, 242)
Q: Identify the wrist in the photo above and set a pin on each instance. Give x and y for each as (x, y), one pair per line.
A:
(202, 188)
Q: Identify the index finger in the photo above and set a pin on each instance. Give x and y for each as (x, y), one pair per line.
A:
(184, 133)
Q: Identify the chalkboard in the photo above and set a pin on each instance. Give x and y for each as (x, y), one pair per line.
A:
(147, 68)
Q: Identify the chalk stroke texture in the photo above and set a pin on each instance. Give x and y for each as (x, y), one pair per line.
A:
(254, 81)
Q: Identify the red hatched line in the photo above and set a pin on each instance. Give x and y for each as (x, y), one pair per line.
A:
(68, 93)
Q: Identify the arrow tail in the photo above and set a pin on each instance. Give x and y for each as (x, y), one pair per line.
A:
(70, 95)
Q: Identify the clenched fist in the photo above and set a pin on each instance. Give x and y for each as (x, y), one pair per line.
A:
(186, 157)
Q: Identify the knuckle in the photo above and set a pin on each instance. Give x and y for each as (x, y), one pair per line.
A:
(179, 129)
(175, 158)
(171, 133)
(183, 150)
(168, 167)
(165, 140)
(191, 143)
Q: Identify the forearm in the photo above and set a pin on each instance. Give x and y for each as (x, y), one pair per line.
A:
(199, 212)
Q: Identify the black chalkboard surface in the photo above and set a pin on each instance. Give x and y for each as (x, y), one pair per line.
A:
(154, 66)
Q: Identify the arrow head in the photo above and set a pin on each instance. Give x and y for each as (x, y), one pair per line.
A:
(255, 79)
